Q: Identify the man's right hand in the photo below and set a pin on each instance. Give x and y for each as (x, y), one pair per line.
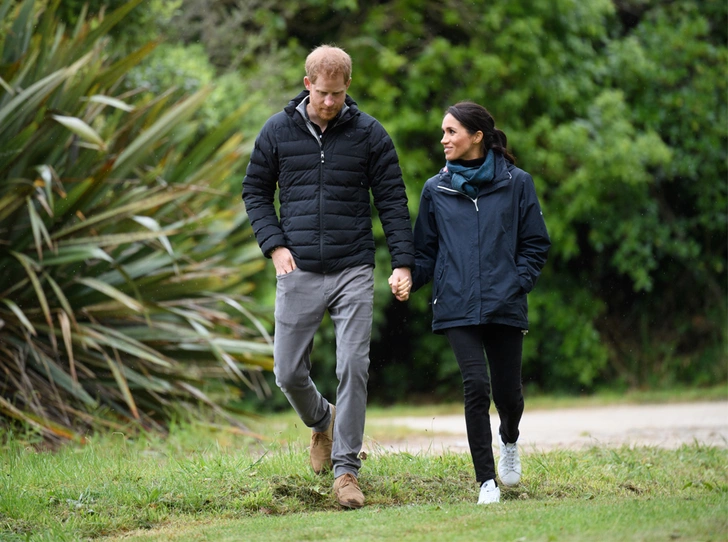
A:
(283, 260)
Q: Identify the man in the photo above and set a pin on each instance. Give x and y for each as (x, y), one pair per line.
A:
(326, 157)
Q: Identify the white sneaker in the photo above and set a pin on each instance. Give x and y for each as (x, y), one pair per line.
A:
(509, 464)
(489, 493)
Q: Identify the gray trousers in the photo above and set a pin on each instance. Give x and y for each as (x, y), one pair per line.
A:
(302, 299)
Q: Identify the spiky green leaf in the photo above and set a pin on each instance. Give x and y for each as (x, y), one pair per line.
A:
(81, 129)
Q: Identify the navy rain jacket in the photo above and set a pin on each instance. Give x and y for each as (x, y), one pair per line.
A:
(324, 190)
(484, 254)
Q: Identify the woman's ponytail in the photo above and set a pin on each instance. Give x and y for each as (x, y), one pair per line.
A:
(500, 143)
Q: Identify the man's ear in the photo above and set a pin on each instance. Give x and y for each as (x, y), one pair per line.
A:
(306, 82)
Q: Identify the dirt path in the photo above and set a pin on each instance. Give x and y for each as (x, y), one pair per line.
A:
(665, 425)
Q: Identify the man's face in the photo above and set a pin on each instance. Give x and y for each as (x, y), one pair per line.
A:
(327, 96)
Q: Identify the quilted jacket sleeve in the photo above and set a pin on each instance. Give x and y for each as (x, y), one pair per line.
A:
(390, 198)
(259, 187)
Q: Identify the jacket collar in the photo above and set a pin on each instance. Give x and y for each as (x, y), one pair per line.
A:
(349, 110)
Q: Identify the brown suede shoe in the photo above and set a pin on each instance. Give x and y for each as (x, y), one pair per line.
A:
(321, 443)
(348, 494)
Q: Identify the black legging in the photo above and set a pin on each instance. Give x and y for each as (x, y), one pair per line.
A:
(503, 345)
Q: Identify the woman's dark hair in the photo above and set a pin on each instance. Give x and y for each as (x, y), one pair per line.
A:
(476, 118)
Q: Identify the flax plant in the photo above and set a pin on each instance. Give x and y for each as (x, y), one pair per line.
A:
(125, 260)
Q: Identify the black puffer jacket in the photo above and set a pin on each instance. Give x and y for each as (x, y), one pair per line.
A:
(324, 190)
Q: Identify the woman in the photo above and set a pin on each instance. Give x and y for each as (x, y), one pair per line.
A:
(481, 238)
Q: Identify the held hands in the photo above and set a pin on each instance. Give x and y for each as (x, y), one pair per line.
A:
(401, 283)
(282, 260)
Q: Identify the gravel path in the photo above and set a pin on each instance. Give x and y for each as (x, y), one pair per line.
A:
(664, 425)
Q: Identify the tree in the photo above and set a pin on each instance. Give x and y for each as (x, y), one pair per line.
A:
(618, 110)
(125, 275)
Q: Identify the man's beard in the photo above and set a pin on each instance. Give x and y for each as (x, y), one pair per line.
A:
(326, 113)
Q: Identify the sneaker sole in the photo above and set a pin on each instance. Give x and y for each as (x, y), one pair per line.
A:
(507, 483)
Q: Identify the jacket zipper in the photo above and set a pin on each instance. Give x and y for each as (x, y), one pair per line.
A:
(475, 202)
(453, 191)
(321, 204)
(315, 135)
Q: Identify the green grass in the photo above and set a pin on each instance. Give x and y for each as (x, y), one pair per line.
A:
(205, 482)
(605, 520)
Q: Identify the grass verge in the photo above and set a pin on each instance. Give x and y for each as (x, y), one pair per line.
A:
(204, 484)
(605, 520)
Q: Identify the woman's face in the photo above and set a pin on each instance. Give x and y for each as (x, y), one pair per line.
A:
(458, 143)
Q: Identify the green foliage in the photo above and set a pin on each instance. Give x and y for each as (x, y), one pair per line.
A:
(620, 116)
(168, 66)
(139, 27)
(187, 69)
(125, 275)
(237, 34)
(617, 109)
